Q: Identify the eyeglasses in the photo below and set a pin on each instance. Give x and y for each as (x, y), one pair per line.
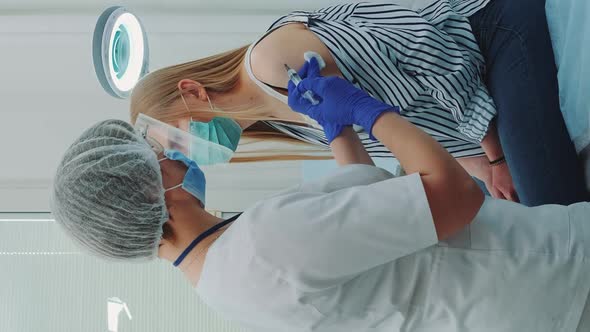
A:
(153, 143)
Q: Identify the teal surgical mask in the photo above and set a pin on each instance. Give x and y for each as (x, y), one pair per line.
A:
(222, 131)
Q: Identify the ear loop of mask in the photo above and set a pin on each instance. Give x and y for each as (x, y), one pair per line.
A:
(171, 188)
(186, 105)
(212, 109)
(165, 190)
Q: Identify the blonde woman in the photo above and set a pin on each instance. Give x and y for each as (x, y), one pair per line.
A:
(477, 75)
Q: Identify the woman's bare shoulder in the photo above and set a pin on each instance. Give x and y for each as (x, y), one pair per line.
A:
(286, 45)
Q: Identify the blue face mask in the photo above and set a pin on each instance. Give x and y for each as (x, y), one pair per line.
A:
(194, 179)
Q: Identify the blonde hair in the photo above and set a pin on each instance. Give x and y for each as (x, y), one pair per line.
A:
(155, 94)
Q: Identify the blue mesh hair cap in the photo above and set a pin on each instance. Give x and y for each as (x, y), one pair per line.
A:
(108, 193)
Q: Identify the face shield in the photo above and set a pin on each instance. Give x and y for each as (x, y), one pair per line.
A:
(162, 136)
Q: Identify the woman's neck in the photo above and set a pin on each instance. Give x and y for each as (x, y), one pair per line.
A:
(247, 92)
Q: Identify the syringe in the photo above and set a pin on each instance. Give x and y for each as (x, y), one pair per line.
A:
(294, 77)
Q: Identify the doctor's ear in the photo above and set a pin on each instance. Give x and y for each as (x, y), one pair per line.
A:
(166, 250)
(166, 245)
(167, 232)
(192, 88)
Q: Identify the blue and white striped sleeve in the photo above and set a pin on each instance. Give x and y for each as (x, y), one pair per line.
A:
(438, 50)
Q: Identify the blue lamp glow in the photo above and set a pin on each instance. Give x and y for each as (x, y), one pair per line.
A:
(120, 51)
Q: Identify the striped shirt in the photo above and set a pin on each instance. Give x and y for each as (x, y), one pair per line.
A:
(426, 61)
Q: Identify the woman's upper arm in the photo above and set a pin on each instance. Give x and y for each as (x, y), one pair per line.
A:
(286, 45)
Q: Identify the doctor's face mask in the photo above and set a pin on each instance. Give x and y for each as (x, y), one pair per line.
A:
(194, 179)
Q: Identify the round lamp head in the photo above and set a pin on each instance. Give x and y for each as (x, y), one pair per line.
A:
(119, 51)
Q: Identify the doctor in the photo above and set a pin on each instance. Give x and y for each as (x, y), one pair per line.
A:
(357, 251)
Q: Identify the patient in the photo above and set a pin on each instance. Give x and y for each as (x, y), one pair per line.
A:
(477, 75)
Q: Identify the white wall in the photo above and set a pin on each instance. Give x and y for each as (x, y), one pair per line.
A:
(48, 285)
(49, 92)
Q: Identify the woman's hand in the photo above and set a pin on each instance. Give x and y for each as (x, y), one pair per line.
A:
(501, 183)
(496, 178)
(478, 167)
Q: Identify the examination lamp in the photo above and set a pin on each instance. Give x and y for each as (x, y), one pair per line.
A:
(119, 51)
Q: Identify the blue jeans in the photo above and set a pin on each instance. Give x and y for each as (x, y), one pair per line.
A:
(521, 77)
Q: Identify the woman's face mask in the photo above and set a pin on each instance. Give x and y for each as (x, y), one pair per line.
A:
(223, 131)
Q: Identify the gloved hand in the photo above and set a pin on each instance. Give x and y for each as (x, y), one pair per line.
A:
(341, 103)
(311, 69)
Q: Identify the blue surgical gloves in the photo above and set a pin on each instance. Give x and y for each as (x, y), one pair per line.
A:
(341, 103)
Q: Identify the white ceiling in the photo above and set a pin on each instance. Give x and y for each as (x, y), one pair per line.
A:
(8, 6)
